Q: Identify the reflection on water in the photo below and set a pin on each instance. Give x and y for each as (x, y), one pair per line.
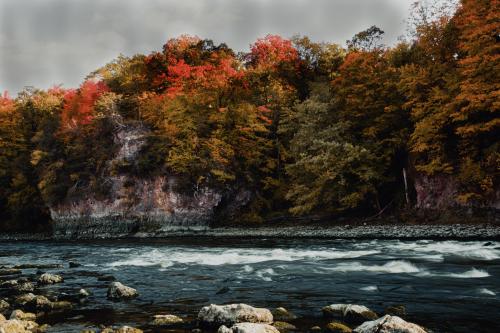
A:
(448, 286)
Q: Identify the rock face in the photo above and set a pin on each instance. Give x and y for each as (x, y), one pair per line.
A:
(389, 324)
(133, 204)
(248, 328)
(216, 315)
(48, 278)
(349, 312)
(441, 191)
(119, 291)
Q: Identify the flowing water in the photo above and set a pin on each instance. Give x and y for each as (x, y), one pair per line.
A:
(446, 286)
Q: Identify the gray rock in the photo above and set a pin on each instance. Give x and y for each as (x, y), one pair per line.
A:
(388, 324)
(48, 278)
(248, 328)
(216, 315)
(119, 291)
(349, 312)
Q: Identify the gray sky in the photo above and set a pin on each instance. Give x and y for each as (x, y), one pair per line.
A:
(46, 42)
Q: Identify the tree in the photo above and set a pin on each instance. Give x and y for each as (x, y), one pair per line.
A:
(366, 40)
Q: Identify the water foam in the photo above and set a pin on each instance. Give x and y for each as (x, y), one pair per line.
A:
(391, 267)
(217, 257)
(485, 291)
(369, 288)
(471, 274)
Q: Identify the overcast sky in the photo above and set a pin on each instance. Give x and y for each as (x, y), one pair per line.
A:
(47, 42)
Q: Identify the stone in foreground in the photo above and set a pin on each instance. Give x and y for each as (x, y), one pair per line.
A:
(166, 320)
(350, 312)
(248, 328)
(119, 291)
(389, 324)
(48, 278)
(216, 315)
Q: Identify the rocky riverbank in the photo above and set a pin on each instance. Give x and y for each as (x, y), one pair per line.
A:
(27, 299)
(347, 231)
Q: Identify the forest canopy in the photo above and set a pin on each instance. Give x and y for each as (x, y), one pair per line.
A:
(309, 127)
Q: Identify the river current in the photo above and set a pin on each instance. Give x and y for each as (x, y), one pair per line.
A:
(446, 286)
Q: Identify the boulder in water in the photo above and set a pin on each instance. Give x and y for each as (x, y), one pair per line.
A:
(248, 328)
(388, 324)
(25, 287)
(349, 312)
(73, 264)
(216, 315)
(166, 320)
(396, 310)
(4, 305)
(284, 326)
(21, 315)
(336, 327)
(47, 278)
(128, 329)
(23, 299)
(118, 291)
(15, 326)
(283, 314)
(39, 303)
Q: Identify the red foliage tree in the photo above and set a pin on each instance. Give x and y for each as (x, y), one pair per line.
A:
(271, 51)
(78, 106)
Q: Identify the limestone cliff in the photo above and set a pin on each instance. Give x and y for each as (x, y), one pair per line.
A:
(134, 204)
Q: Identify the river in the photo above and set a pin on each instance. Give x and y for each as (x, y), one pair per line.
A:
(446, 286)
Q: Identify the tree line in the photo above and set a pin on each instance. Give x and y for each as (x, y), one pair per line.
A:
(309, 127)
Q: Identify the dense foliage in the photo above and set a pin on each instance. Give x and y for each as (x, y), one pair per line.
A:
(308, 128)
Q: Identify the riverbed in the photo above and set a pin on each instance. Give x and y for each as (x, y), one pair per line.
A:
(445, 285)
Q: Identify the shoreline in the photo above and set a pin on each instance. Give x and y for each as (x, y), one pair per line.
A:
(348, 231)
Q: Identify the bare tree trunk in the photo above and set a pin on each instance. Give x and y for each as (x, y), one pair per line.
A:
(406, 187)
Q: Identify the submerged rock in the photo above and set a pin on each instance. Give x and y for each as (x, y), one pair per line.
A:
(9, 271)
(166, 320)
(48, 278)
(283, 314)
(61, 305)
(118, 291)
(389, 324)
(337, 328)
(396, 310)
(349, 312)
(216, 315)
(248, 328)
(284, 326)
(73, 264)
